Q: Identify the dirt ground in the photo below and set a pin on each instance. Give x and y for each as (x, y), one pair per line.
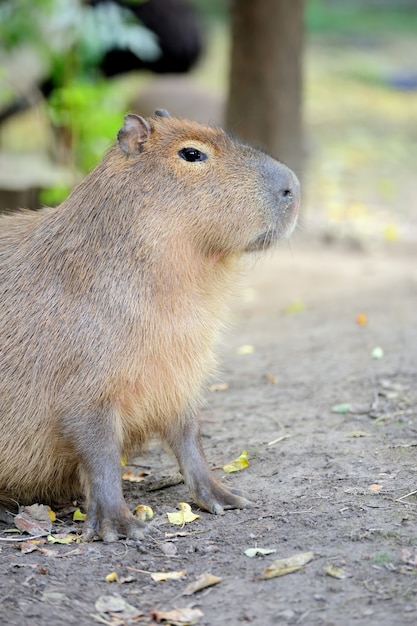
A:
(341, 485)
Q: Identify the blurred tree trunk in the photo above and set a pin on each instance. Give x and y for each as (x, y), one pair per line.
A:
(264, 104)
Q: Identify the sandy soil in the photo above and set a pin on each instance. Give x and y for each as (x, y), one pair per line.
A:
(341, 485)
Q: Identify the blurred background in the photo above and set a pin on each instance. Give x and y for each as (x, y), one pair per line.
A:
(327, 86)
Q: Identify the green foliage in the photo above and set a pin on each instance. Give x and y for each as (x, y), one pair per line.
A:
(347, 18)
(70, 38)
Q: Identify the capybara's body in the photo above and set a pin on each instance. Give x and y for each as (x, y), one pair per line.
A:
(109, 307)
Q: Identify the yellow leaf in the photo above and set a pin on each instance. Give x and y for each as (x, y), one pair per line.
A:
(391, 232)
(64, 540)
(335, 572)
(78, 516)
(163, 576)
(281, 567)
(294, 307)
(123, 461)
(237, 465)
(112, 578)
(202, 582)
(354, 434)
(361, 319)
(246, 349)
(184, 516)
(143, 512)
(52, 515)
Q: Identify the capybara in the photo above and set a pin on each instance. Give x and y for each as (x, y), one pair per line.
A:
(109, 307)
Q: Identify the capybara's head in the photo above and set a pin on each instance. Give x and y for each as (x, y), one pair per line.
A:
(228, 197)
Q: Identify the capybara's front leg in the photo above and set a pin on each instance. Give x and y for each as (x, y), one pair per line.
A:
(208, 492)
(95, 440)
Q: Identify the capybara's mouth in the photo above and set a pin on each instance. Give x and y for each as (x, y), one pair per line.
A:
(264, 241)
(270, 236)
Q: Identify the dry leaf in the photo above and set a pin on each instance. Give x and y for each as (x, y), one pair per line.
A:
(251, 552)
(143, 512)
(112, 578)
(184, 516)
(335, 572)
(34, 519)
(246, 349)
(237, 465)
(281, 567)
(163, 576)
(375, 487)
(202, 582)
(30, 546)
(271, 378)
(62, 538)
(294, 307)
(361, 319)
(180, 617)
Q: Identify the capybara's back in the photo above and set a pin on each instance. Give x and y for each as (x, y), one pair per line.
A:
(109, 307)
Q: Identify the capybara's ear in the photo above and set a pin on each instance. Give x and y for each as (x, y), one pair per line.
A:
(134, 133)
(162, 113)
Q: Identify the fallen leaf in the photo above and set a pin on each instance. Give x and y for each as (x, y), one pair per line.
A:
(251, 552)
(134, 478)
(281, 567)
(340, 408)
(347, 407)
(202, 582)
(294, 307)
(143, 512)
(64, 539)
(391, 232)
(34, 519)
(271, 378)
(78, 516)
(246, 349)
(29, 546)
(184, 516)
(163, 576)
(123, 461)
(180, 617)
(375, 487)
(361, 319)
(238, 464)
(335, 572)
(377, 353)
(112, 578)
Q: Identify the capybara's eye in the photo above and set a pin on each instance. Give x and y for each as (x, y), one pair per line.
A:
(192, 154)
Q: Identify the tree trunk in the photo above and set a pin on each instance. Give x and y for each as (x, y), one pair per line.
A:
(264, 104)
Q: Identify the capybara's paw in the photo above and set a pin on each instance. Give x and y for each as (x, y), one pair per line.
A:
(215, 497)
(111, 529)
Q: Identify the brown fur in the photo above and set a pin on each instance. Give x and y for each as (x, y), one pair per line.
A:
(109, 308)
